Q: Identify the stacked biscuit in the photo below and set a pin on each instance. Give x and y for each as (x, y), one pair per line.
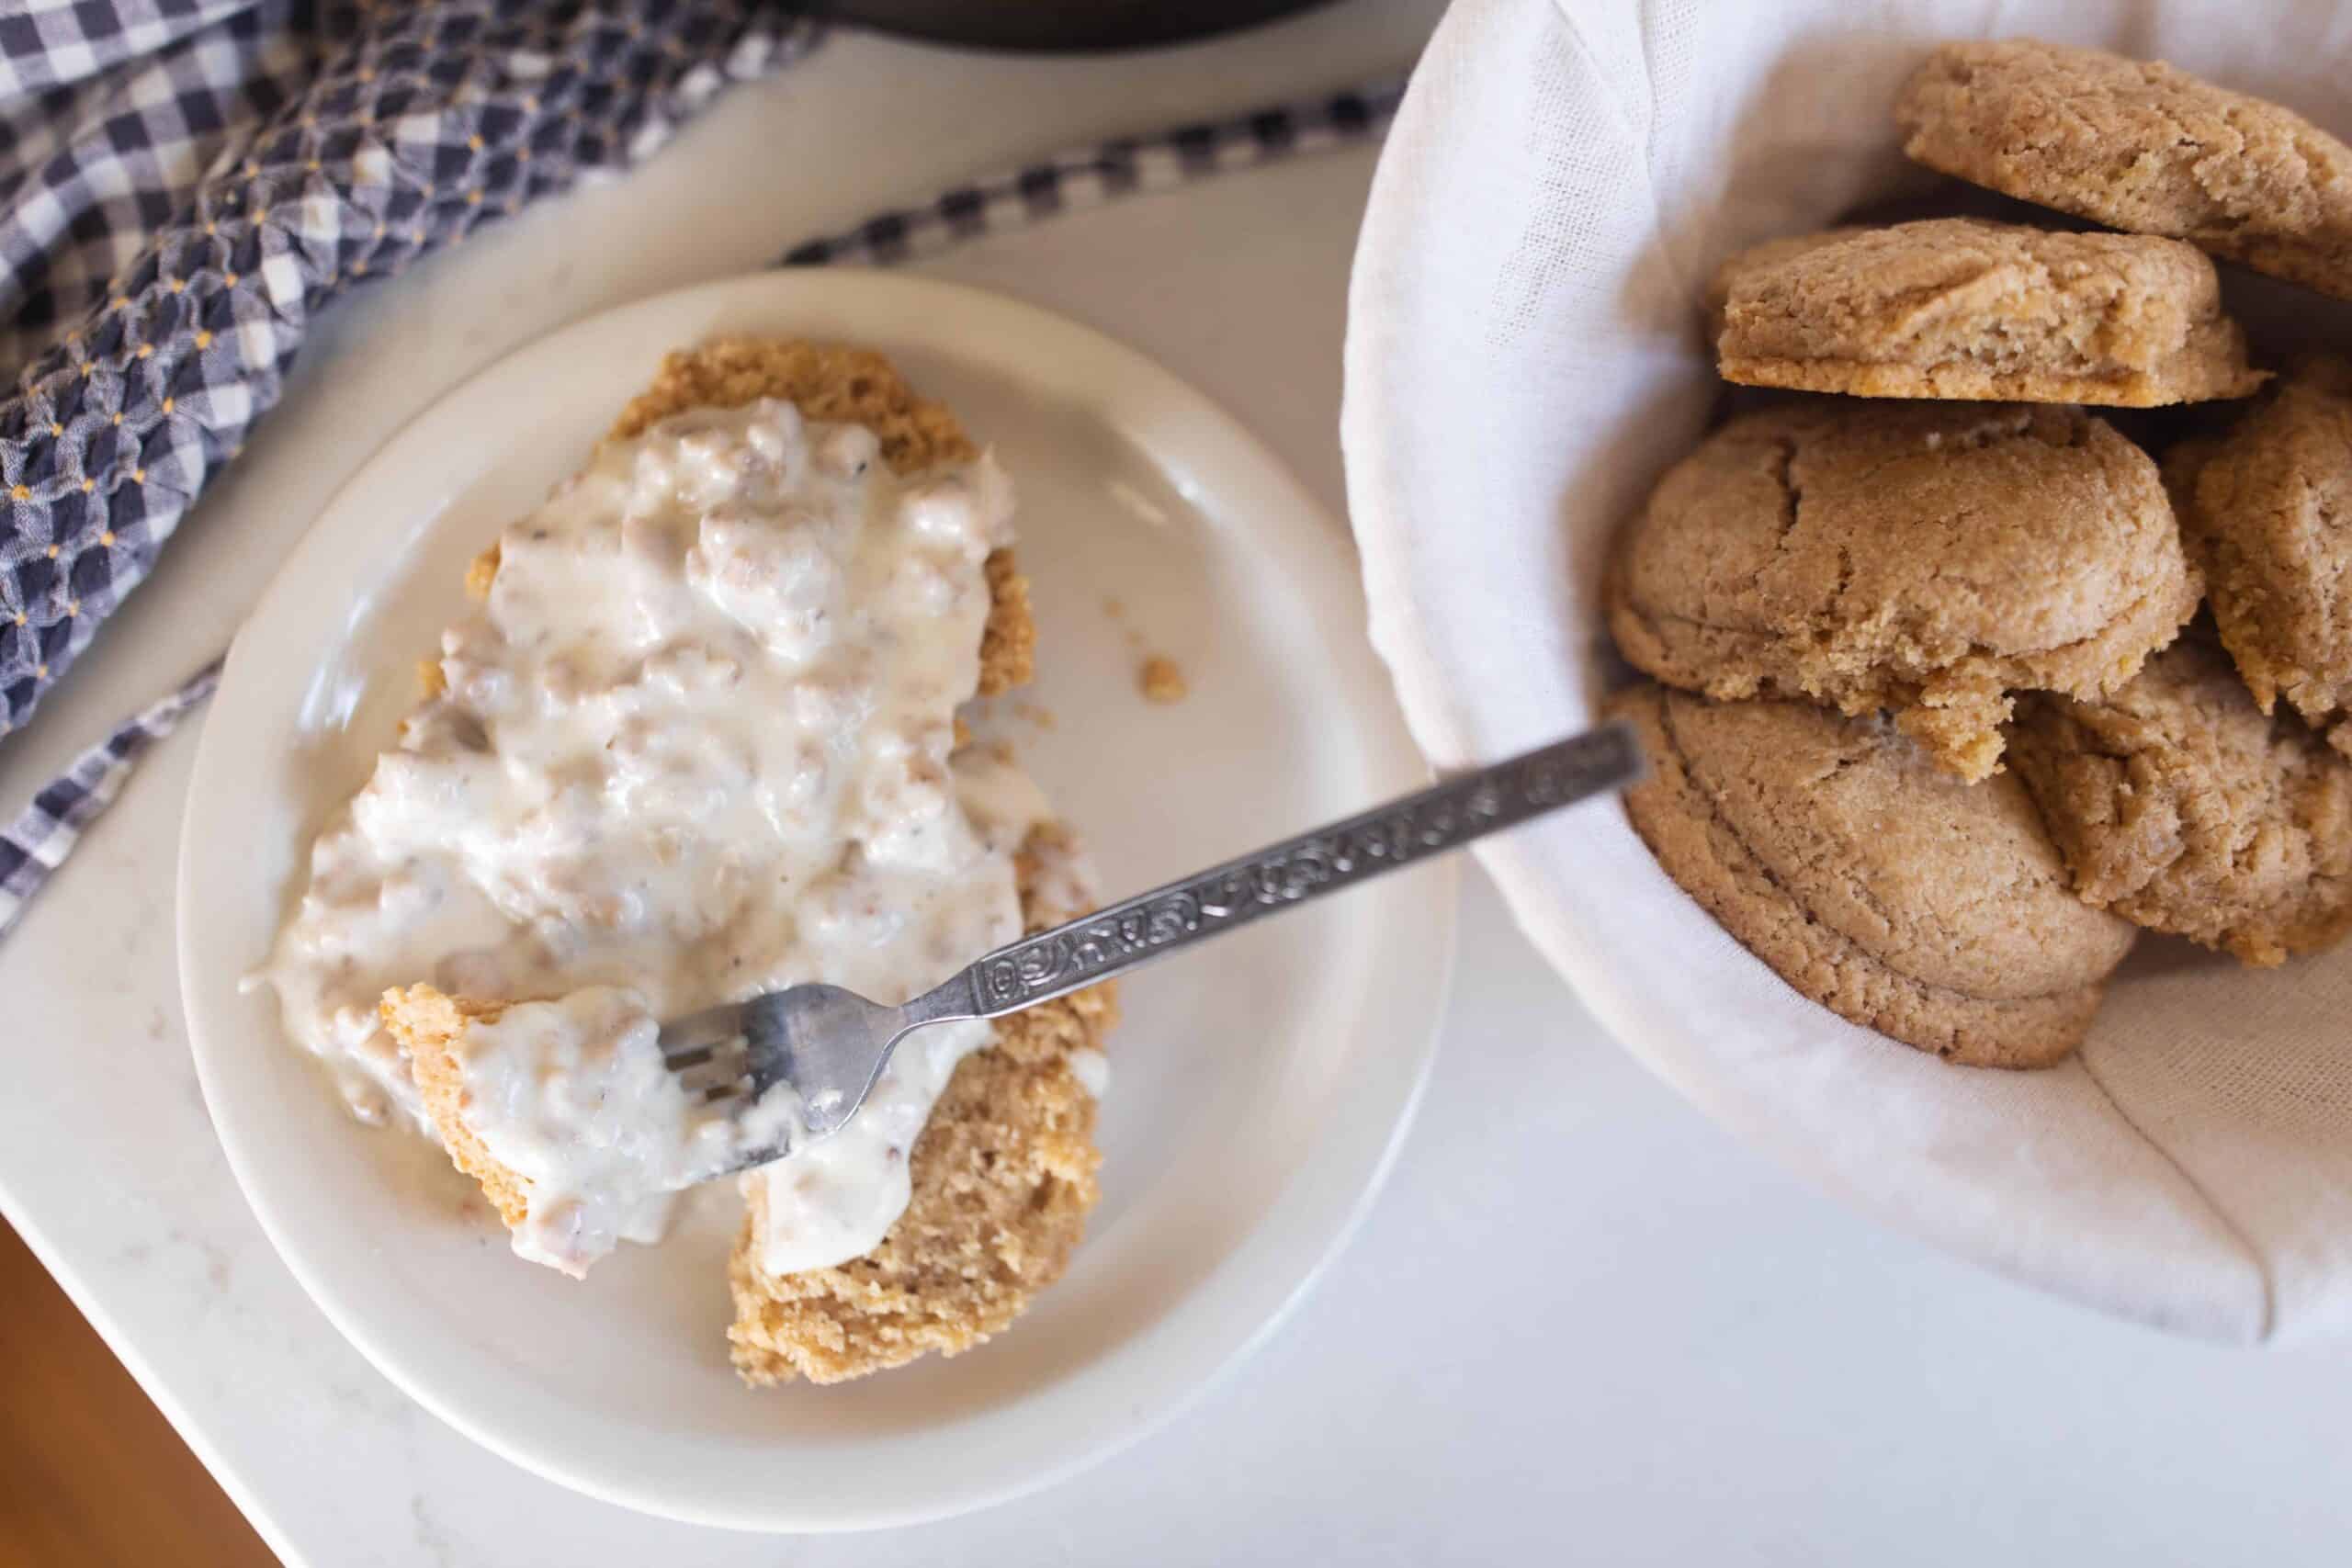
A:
(1937, 724)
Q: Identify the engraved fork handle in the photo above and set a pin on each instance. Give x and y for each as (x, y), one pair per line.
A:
(1151, 925)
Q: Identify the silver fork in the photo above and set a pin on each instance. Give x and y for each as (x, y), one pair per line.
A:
(831, 1044)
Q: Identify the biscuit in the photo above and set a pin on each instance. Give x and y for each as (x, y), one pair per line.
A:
(2266, 514)
(1003, 1178)
(851, 386)
(2179, 807)
(1928, 558)
(428, 1026)
(1904, 900)
(1959, 307)
(1004, 1175)
(2139, 146)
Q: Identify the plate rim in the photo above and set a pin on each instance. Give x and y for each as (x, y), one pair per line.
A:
(914, 305)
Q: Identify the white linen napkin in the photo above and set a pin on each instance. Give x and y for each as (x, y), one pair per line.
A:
(1524, 359)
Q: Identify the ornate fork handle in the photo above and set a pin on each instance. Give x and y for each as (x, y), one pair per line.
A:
(1150, 925)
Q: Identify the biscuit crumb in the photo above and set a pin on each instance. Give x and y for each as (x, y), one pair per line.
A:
(1162, 681)
(1042, 718)
(481, 571)
(1117, 609)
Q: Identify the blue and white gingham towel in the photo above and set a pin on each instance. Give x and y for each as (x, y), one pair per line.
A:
(38, 841)
(185, 182)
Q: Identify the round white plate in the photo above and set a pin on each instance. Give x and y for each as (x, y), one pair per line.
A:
(1259, 1090)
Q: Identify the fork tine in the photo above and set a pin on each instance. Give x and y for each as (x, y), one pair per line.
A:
(824, 1044)
(715, 1077)
(689, 1040)
(714, 1066)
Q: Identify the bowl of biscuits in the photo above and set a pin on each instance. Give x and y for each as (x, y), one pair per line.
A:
(1938, 445)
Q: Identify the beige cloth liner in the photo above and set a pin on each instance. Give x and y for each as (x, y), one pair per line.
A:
(1524, 359)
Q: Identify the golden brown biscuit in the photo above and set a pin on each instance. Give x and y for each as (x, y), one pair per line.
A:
(428, 1026)
(2266, 512)
(1003, 1178)
(2140, 146)
(1004, 1174)
(1928, 558)
(849, 385)
(1933, 911)
(2179, 807)
(1959, 307)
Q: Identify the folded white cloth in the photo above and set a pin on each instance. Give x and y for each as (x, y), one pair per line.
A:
(1523, 360)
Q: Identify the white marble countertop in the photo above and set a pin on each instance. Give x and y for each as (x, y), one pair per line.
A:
(1580, 1319)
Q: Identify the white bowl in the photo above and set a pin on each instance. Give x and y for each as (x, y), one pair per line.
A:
(1258, 1088)
(1524, 359)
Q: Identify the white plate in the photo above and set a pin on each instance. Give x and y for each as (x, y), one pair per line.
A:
(1259, 1090)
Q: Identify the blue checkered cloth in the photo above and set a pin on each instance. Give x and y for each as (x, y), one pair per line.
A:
(184, 184)
(38, 841)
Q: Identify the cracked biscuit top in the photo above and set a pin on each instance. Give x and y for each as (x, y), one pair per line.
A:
(1928, 558)
(2140, 146)
(1904, 900)
(1959, 307)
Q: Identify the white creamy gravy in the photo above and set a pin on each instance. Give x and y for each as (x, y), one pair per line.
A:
(573, 1095)
(696, 744)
